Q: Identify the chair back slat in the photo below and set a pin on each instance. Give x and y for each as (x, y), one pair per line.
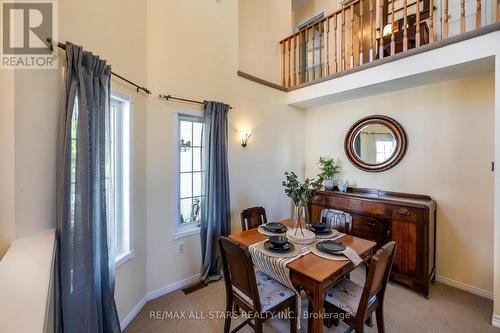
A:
(253, 217)
(378, 274)
(337, 219)
(238, 270)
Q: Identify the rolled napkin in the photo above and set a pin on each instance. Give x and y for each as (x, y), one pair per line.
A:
(352, 256)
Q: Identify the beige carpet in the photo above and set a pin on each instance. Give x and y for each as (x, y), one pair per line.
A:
(447, 310)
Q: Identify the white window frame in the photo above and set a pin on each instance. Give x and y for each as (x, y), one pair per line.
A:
(377, 152)
(191, 229)
(128, 106)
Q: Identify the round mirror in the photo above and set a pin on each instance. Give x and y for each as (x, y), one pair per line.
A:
(375, 143)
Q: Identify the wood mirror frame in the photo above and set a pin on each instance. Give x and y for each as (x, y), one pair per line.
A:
(399, 151)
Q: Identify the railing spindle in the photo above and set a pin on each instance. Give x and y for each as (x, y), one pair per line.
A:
(295, 60)
(301, 79)
(478, 14)
(351, 58)
(381, 30)
(320, 49)
(462, 16)
(393, 43)
(431, 21)
(328, 46)
(335, 43)
(283, 64)
(313, 60)
(445, 19)
(405, 25)
(372, 28)
(361, 4)
(417, 34)
(289, 63)
(307, 54)
(342, 42)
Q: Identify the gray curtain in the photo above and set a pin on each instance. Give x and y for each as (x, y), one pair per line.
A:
(85, 291)
(215, 211)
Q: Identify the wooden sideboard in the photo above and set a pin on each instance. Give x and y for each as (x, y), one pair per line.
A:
(381, 216)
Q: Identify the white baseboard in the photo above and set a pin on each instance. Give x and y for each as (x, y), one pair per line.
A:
(135, 311)
(471, 289)
(172, 287)
(495, 321)
(155, 294)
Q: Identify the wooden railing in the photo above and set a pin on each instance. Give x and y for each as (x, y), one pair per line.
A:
(359, 33)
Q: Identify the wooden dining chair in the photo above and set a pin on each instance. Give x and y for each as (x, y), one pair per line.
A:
(253, 217)
(356, 304)
(254, 292)
(337, 219)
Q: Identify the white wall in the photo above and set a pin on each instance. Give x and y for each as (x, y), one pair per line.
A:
(306, 9)
(450, 132)
(7, 223)
(36, 112)
(262, 24)
(201, 63)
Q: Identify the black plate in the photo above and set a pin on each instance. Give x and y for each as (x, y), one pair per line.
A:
(275, 227)
(325, 232)
(321, 227)
(331, 246)
(286, 248)
(278, 241)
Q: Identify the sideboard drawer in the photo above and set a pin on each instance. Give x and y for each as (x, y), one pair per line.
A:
(369, 228)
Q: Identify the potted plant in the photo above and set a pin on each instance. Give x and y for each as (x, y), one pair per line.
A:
(300, 193)
(328, 170)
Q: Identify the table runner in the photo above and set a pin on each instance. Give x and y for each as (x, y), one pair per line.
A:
(276, 267)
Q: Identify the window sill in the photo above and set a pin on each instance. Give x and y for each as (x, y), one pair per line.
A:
(182, 233)
(120, 260)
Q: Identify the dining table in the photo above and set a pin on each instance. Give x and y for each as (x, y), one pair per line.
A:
(313, 274)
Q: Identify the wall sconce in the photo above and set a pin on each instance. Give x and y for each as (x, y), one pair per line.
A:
(244, 136)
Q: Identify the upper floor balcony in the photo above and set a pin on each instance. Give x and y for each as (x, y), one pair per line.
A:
(362, 34)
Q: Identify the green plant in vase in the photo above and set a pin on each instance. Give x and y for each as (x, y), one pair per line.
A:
(328, 170)
(301, 194)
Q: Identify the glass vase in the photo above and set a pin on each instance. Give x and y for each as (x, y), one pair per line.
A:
(300, 219)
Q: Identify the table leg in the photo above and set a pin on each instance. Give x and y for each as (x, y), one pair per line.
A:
(316, 317)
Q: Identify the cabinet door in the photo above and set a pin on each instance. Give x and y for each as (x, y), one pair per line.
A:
(315, 212)
(405, 232)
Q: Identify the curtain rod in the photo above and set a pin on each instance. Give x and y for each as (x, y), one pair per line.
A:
(138, 87)
(168, 97)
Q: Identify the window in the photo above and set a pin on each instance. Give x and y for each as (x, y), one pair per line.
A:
(384, 150)
(118, 176)
(190, 174)
(307, 50)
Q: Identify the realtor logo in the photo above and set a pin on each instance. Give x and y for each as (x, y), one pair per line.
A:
(25, 29)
